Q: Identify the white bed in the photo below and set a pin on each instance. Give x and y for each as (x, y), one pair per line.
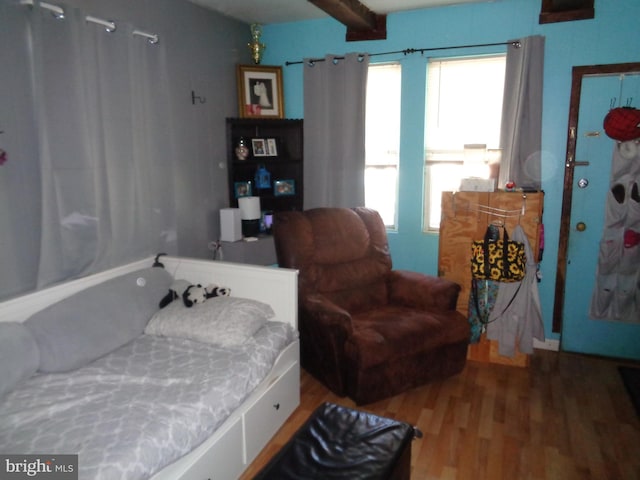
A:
(237, 441)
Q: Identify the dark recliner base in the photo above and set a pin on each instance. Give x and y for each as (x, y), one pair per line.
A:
(403, 374)
(339, 443)
(386, 380)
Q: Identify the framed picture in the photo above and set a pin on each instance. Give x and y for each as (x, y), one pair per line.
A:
(242, 189)
(259, 147)
(272, 147)
(264, 147)
(260, 92)
(284, 187)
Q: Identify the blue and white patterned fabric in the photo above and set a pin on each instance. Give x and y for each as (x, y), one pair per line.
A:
(139, 408)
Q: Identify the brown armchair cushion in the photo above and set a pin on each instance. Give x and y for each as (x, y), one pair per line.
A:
(393, 332)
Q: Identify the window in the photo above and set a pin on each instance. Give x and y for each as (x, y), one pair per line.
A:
(462, 125)
(382, 140)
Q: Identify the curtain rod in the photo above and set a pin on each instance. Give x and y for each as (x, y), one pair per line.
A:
(110, 26)
(408, 51)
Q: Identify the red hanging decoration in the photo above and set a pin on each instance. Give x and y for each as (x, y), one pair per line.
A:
(622, 123)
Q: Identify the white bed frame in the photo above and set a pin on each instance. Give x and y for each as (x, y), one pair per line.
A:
(236, 443)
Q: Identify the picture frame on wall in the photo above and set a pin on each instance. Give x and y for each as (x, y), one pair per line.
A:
(260, 91)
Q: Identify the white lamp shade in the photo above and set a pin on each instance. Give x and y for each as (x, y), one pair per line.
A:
(249, 208)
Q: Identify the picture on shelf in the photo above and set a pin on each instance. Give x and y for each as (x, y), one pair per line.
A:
(242, 189)
(259, 147)
(272, 147)
(264, 147)
(284, 187)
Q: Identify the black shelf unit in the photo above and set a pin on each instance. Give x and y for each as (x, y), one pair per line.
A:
(286, 165)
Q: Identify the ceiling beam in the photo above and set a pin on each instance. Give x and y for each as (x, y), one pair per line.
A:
(361, 22)
(352, 13)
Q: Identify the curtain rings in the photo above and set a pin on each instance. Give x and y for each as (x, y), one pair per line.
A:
(108, 25)
(56, 11)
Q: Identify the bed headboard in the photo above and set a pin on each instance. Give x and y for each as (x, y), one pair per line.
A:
(276, 286)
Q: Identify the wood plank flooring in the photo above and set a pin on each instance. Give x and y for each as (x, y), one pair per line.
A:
(565, 417)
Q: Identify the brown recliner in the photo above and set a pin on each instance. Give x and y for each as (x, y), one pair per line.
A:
(367, 331)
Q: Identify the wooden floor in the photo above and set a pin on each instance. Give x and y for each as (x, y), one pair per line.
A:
(565, 417)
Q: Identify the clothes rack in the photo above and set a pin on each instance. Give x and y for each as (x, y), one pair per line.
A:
(490, 210)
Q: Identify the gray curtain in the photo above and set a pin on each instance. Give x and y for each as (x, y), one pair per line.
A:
(521, 132)
(334, 131)
(88, 184)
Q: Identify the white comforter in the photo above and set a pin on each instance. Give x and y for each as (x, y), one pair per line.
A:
(139, 408)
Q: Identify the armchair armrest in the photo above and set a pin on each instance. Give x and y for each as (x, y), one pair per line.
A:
(425, 292)
(326, 328)
(328, 314)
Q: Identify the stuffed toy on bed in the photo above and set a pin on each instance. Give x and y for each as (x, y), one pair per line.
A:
(192, 294)
(216, 291)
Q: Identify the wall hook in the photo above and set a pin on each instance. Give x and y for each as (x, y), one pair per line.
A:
(195, 97)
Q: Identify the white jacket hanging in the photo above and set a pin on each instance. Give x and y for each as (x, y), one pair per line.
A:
(520, 322)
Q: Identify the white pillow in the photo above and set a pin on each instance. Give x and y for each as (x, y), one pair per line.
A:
(224, 321)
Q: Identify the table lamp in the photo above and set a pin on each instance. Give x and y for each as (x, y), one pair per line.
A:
(250, 215)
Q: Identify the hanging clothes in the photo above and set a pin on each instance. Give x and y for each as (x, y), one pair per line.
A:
(482, 298)
(516, 317)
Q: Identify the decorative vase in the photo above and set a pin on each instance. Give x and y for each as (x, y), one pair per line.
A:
(242, 151)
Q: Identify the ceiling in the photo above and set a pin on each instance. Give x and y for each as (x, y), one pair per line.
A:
(280, 11)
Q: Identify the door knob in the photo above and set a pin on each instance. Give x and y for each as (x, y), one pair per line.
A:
(581, 226)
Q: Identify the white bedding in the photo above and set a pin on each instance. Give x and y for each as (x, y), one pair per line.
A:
(139, 408)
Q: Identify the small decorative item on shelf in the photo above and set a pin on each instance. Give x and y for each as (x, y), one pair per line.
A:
(263, 177)
(242, 150)
(284, 187)
(257, 48)
(242, 189)
(267, 221)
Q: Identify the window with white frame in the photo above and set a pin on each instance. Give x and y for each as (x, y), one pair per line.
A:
(462, 125)
(382, 140)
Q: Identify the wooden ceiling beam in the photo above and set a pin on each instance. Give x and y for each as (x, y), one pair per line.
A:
(352, 13)
(361, 22)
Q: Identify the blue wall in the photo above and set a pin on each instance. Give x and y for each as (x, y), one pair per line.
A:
(613, 36)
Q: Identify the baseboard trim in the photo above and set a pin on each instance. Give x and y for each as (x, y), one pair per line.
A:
(548, 344)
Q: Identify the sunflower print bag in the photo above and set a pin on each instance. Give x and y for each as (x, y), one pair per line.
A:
(501, 260)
